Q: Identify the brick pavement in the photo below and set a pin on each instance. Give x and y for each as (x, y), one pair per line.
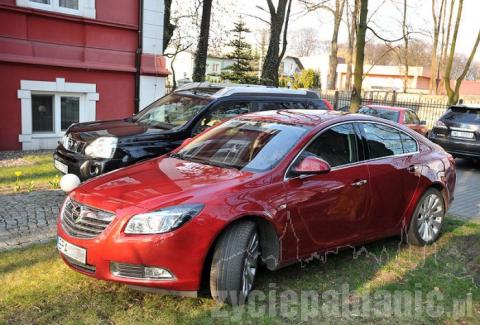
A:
(27, 218)
(467, 192)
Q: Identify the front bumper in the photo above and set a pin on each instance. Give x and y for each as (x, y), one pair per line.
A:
(181, 252)
(85, 167)
(457, 147)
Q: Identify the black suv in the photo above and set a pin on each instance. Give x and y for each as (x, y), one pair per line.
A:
(458, 131)
(93, 148)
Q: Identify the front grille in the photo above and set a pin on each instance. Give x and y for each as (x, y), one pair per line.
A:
(73, 145)
(128, 270)
(79, 266)
(84, 222)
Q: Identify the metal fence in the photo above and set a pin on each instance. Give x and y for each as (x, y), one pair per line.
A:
(428, 108)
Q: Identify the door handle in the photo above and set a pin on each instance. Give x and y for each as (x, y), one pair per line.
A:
(412, 169)
(359, 183)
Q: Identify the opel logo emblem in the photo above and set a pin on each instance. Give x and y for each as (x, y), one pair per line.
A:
(77, 214)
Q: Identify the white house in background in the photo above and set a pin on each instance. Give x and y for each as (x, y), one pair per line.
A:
(290, 65)
(183, 65)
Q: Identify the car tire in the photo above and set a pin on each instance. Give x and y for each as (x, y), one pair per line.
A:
(234, 263)
(427, 219)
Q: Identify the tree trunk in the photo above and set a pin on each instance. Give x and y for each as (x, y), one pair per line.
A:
(200, 63)
(169, 27)
(444, 50)
(437, 20)
(359, 56)
(454, 94)
(273, 57)
(352, 23)
(337, 19)
(405, 40)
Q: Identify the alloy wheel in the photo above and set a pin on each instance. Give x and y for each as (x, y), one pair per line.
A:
(250, 265)
(430, 217)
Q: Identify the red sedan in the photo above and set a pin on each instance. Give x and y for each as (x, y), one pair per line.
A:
(270, 187)
(400, 115)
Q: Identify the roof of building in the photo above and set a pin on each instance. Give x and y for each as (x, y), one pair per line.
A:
(297, 61)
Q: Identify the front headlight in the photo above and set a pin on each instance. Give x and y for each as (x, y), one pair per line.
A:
(103, 147)
(163, 220)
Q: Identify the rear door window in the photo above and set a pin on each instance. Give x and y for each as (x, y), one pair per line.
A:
(382, 140)
(409, 144)
(462, 115)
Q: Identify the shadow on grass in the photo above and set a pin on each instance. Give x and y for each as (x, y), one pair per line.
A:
(10, 262)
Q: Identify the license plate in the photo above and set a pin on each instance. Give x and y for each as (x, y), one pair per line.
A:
(462, 134)
(79, 254)
(61, 166)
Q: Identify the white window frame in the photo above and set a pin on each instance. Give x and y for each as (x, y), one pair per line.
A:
(57, 111)
(58, 88)
(86, 8)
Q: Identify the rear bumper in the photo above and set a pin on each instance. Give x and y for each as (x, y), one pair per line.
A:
(457, 147)
(85, 167)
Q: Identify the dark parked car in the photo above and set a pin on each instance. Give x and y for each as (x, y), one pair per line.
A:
(91, 149)
(458, 131)
(271, 187)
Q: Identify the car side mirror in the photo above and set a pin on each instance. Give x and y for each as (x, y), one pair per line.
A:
(311, 166)
(186, 141)
(423, 122)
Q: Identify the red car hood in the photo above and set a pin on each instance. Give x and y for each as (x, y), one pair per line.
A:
(158, 182)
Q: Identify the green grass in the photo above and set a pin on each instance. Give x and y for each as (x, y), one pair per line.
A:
(36, 287)
(40, 171)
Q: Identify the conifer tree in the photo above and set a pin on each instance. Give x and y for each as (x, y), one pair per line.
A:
(241, 71)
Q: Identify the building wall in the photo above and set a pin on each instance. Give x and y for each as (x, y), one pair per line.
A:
(98, 50)
(109, 85)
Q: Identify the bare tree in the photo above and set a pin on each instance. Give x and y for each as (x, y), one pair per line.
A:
(405, 40)
(200, 62)
(279, 17)
(437, 23)
(454, 93)
(337, 11)
(169, 26)
(351, 22)
(305, 42)
(359, 55)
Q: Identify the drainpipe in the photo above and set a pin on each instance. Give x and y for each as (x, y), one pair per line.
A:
(138, 57)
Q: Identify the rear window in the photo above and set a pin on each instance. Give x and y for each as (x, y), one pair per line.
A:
(462, 115)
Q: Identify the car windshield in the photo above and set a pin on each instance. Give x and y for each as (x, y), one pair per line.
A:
(171, 111)
(243, 144)
(381, 113)
(463, 115)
